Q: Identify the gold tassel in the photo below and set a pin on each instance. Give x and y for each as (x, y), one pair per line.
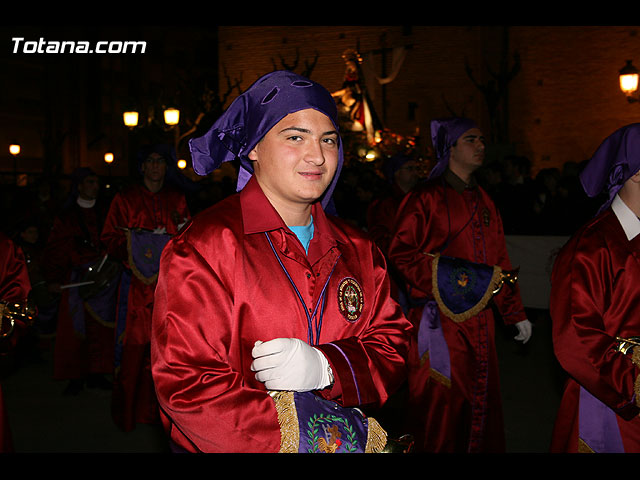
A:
(288, 421)
(635, 359)
(376, 437)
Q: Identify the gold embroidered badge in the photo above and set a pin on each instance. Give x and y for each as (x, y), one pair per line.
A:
(350, 299)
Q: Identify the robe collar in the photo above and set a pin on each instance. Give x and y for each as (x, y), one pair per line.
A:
(628, 220)
(258, 216)
(457, 183)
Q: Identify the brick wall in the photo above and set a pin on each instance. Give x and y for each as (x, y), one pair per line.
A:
(562, 103)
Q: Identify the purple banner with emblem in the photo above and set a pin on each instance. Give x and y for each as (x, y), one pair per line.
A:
(311, 424)
(463, 288)
(145, 249)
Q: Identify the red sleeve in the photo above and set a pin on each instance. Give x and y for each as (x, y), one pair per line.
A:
(594, 298)
(196, 385)
(14, 284)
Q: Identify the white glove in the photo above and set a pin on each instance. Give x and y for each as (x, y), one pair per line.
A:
(290, 364)
(524, 331)
(160, 230)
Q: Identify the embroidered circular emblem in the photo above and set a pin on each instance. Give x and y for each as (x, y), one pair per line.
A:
(350, 299)
(462, 280)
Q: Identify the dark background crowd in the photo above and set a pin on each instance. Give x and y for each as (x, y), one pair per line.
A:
(551, 202)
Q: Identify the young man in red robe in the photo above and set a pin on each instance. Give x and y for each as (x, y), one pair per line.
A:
(454, 390)
(595, 308)
(264, 293)
(140, 221)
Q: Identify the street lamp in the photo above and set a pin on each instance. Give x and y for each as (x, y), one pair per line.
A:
(171, 116)
(629, 81)
(130, 118)
(14, 150)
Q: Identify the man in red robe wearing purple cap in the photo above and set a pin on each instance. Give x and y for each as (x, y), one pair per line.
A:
(264, 295)
(595, 308)
(454, 393)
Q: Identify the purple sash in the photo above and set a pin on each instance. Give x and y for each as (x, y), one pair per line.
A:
(431, 340)
(598, 425)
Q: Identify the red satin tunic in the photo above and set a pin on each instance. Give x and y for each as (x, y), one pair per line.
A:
(15, 287)
(221, 288)
(464, 223)
(71, 247)
(133, 395)
(595, 297)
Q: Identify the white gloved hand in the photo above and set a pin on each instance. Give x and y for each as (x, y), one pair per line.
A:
(290, 364)
(524, 331)
(160, 230)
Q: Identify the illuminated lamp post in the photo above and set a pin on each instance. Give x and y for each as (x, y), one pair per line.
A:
(171, 116)
(14, 150)
(629, 81)
(108, 159)
(130, 118)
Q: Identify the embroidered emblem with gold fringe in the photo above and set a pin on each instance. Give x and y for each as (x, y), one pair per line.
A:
(310, 424)
(462, 288)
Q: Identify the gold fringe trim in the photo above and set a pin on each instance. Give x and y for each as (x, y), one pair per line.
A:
(635, 358)
(436, 375)
(376, 437)
(97, 317)
(288, 421)
(146, 280)
(583, 447)
(461, 317)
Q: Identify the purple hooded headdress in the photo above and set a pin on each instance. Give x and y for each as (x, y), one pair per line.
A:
(251, 115)
(616, 160)
(444, 133)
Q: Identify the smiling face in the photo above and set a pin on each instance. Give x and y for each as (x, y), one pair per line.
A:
(296, 160)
